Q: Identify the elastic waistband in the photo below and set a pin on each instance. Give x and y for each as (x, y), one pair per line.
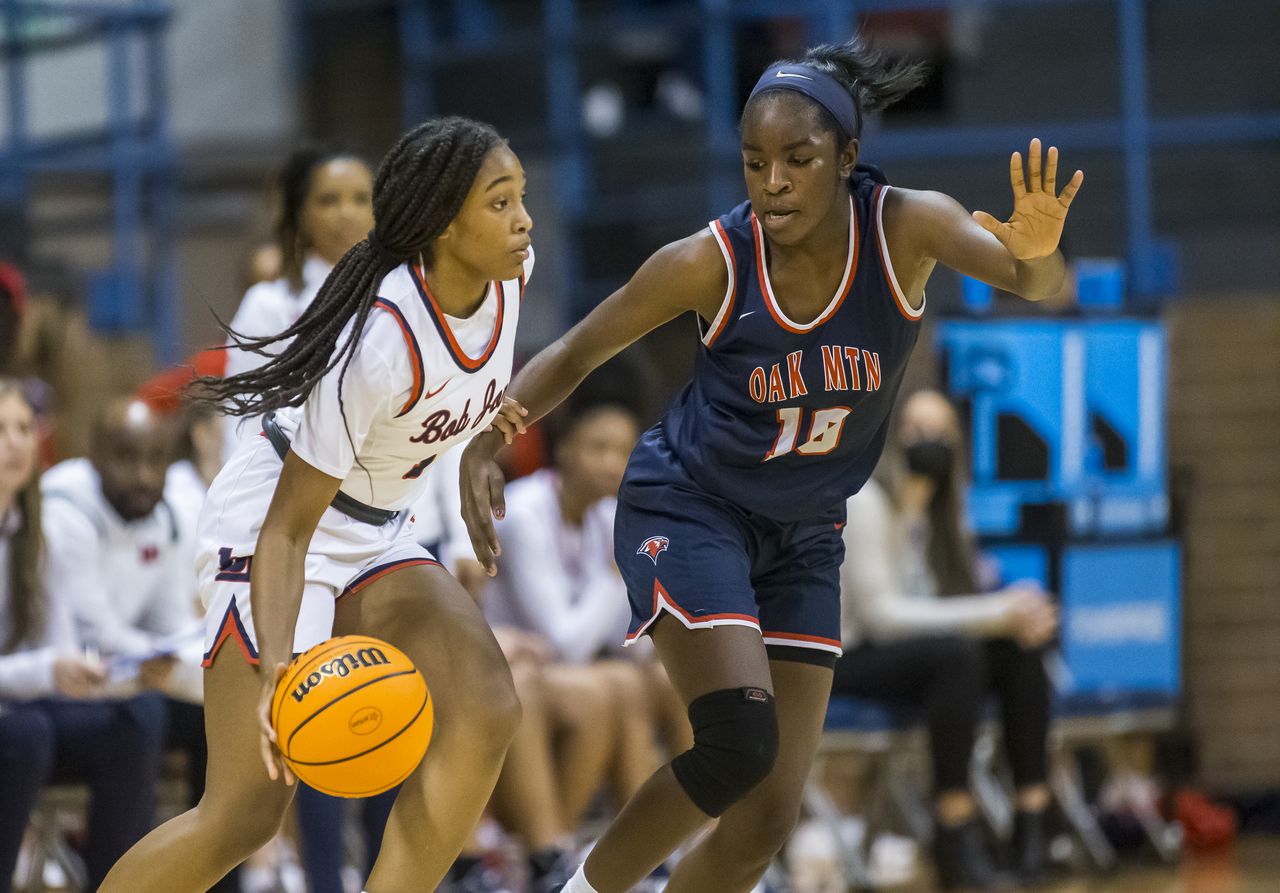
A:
(352, 508)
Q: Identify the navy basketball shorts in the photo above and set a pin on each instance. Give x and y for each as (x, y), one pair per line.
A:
(708, 563)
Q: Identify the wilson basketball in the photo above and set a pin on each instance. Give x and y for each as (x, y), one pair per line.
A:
(353, 716)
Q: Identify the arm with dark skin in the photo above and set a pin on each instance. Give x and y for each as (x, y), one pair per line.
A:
(922, 228)
(276, 578)
(686, 275)
(1019, 255)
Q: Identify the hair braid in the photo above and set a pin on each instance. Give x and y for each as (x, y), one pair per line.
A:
(419, 188)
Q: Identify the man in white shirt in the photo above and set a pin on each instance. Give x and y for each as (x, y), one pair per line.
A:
(119, 552)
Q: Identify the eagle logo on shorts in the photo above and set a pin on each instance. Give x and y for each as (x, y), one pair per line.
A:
(653, 547)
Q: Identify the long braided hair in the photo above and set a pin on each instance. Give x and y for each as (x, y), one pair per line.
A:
(420, 187)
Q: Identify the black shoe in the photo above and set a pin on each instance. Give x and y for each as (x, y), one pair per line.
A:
(1030, 847)
(960, 855)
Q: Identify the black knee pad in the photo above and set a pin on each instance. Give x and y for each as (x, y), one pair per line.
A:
(735, 743)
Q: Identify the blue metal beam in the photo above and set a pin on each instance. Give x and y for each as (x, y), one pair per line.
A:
(1137, 146)
(417, 44)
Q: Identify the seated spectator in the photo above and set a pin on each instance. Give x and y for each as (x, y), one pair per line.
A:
(560, 610)
(916, 635)
(54, 724)
(120, 535)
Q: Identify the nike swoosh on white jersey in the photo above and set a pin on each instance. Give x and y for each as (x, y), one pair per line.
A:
(787, 74)
(429, 394)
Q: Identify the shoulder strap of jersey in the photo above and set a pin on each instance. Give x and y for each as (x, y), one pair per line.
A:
(712, 331)
(415, 352)
(886, 265)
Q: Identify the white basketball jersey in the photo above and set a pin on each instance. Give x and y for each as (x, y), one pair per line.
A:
(419, 383)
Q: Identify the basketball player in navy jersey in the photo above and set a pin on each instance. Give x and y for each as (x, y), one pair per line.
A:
(809, 298)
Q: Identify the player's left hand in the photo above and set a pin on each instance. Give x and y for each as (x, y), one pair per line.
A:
(509, 421)
(1034, 229)
(481, 486)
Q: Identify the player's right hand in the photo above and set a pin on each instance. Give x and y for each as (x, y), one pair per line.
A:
(481, 485)
(269, 746)
(77, 677)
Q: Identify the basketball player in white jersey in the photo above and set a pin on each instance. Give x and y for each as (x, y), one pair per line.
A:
(405, 351)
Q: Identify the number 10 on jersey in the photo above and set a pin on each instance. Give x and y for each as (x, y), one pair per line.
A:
(824, 431)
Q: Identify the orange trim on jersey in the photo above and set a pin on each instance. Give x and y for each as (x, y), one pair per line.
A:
(233, 629)
(662, 599)
(375, 574)
(412, 343)
(766, 289)
(803, 640)
(465, 363)
(904, 306)
(731, 293)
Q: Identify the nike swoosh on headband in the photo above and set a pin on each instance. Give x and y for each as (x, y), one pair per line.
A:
(787, 74)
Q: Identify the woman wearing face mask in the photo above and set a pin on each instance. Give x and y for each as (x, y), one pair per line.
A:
(915, 635)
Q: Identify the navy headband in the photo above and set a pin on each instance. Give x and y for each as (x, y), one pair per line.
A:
(819, 86)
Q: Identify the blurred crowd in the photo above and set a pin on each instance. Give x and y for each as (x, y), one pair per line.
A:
(101, 632)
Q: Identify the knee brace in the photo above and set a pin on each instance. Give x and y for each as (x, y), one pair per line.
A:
(735, 743)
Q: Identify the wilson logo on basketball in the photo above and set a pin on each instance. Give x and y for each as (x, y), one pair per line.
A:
(341, 666)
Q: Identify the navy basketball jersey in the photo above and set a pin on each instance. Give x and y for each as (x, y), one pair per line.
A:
(788, 420)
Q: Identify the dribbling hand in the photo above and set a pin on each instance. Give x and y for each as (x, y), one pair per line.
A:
(1039, 212)
(481, 487)
(271, 756)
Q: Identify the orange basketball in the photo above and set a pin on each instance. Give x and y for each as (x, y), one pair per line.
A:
(353, 716)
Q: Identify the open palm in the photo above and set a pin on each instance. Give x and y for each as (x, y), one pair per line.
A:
(1039, 212)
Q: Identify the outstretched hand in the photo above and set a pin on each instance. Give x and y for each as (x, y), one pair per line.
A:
(1039, 212)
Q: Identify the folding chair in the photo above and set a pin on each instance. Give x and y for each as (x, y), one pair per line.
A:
(1120, 669)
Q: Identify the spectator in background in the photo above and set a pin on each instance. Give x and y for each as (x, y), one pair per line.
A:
(325, 207)
(51, 726)
(916, 635)
(116, 545)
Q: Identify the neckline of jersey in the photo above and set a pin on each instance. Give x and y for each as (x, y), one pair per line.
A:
(441, 319)
(846, 283)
